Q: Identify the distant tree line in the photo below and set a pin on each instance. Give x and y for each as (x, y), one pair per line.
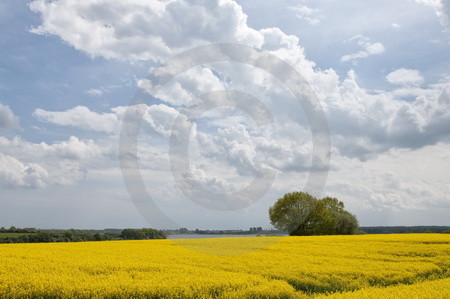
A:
(13, 229)
(256, 230)
(404, 229)
(87, 231)
(36, 236)
(141, 234)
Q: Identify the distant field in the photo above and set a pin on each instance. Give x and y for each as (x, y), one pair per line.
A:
(363, 266)
(12, 235)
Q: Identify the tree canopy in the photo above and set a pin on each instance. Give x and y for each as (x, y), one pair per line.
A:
(141, 234)
(301, 214)
(35, 236)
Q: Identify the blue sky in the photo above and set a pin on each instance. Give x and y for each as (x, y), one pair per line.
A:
(69, 72)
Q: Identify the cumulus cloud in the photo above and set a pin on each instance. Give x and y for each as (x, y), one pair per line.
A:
(406, 77)
(388, 191)
(76, 149)
(143, 30)
(8, 120)
(186, 88)
(198, 175)
(249, 151)
(80, 117)
(385, 182)
(363, 124)
(445, 17)
(158, 117)
(64, 162)
(286, 47)
(442, 9)
(15, 174)
(245, 149)
(369, 48)
(72, 149)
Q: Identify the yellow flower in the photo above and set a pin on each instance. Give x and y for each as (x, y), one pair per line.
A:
(365, 266)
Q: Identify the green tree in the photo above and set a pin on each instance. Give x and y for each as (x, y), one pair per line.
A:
(132, 234)
(291, 212)
(69, 235)
(344, 222)
(299, 213)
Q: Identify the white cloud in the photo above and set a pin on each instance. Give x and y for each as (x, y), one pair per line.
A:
(80, 117)
(14, 173)
(396, 180)
(8, 120)
(244, 149)
(143, 30)
(248, 150)
(406, 77)
(369, 48)
(287, 48)
(100, 91)
(72, 149)
(64, 162)
(186, 88)
(433, 3)
(442, 9)
(364, 125)
(96, 92)
(77, 150)
(445, 17)
(158, 117)
(303, 12)
(214, 184)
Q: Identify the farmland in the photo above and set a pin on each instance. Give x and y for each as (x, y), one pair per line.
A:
(371, 266)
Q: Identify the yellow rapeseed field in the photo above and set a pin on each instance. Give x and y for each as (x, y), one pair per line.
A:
(365, 266)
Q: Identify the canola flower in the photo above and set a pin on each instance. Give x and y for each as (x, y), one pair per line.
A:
(365, 266)
(428, 290)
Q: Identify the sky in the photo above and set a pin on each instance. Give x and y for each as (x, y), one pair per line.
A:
(130, 113)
